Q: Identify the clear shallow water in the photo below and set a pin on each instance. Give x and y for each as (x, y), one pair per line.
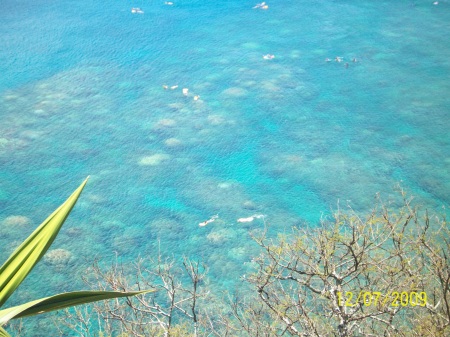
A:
(81, 94)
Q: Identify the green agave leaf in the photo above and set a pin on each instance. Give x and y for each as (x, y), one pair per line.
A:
(62, 301)
(24, 258)
(3, 333)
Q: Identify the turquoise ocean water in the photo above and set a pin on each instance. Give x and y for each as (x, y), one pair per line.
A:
(81, 93)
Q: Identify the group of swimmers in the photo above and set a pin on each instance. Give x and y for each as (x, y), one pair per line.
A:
(185, 91)
(340, 59)
(137, 10)
(241, 220)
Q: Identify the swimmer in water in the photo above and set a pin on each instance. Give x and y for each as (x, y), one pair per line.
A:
(250, 218)
(339, 59)
(268, 57)
(213, 218)
(259, 5)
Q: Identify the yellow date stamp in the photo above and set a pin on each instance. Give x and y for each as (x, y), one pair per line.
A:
(375, 298)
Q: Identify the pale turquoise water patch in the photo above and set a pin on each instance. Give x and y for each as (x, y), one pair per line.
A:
(81, 93)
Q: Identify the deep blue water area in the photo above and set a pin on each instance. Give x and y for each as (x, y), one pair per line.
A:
(82, 93)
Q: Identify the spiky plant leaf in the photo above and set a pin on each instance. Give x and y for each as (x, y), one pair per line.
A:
(25, 257)
(62, 301)
(3, 333)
